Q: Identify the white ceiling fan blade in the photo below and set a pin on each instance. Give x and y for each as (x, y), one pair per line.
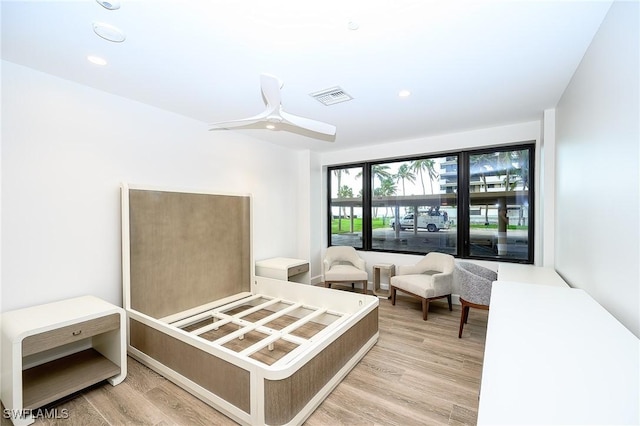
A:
(274, 114)
(271, 86)
(307, 123)
(240, 122)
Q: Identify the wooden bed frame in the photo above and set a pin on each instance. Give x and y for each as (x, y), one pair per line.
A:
(260, 350)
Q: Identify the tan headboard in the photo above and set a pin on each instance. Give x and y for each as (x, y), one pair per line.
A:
(186, 249)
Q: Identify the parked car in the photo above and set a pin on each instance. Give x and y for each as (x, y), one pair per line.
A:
(425, 221)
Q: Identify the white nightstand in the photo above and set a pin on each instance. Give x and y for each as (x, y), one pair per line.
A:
(283, 268)
(53, 350)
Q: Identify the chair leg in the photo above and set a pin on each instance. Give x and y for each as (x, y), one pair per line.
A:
(393, 295)
(327, 284)
(425, 308)
(449, 300)
(364, 286)
(466, 313)
(462, 320)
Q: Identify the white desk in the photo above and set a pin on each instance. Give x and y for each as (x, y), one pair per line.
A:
(555, 356)
(530, 274)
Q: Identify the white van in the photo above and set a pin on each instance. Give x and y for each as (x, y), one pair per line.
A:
(425, 221)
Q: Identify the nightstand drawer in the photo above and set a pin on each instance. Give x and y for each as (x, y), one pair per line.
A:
(71, 333)
(295, 270)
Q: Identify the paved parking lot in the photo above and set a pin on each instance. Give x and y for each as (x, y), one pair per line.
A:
(483, 242)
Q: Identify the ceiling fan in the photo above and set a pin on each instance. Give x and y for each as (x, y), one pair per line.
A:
(274, 113)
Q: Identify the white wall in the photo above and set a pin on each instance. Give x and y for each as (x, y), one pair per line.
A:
(494, 136)
(65, 150)
(547, 188)
(597, 181)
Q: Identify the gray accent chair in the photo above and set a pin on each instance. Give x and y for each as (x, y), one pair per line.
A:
(474, 284)
(429, 279)
(343, 265)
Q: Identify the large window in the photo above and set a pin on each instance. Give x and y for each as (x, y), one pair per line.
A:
(499, 204)
(472, 204)
(410, 210)
(346, 206)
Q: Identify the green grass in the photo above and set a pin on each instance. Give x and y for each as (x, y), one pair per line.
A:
(378, 223)
(357, 225)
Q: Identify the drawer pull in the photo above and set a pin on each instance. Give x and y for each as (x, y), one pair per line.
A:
(76, 333)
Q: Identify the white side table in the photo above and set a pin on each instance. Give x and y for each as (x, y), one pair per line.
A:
(53, 350)
(285, 269)
(378, 269)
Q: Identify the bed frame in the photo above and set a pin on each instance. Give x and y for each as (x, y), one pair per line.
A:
(259, 350)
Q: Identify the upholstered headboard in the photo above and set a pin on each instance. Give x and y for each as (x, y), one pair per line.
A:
(184, 249)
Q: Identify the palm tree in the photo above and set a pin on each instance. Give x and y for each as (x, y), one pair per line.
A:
(387, 189)
(345, 192)
(381, 172)
(427, 165)
(338, 173)
(522, 158)
(505, 164)
(388, 186)
(479, 165)
(405, 173)
(522, 171)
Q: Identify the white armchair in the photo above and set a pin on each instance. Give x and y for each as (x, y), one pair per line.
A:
(343, 265)
(429, 279)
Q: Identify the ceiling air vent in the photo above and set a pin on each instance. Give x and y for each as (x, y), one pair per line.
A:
(335, 95)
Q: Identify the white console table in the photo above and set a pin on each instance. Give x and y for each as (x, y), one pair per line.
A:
(553, 355)
(284, 268)
(50, 351)
(530, 274)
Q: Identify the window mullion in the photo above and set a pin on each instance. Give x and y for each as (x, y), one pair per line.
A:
(367, 230)
(463, 205)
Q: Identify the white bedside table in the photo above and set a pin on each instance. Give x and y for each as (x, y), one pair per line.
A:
(284, 268)
(53, 350)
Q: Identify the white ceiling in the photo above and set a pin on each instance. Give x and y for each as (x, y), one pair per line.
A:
(468, 64)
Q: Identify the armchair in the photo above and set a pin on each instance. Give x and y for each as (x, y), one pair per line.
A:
(429, 279)
(343, 265)
(474, 284)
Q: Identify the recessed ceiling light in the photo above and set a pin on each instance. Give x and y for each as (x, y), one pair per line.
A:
(404, 93)
(108, 32)
(96, 60)
(353, 25)
(111, 5)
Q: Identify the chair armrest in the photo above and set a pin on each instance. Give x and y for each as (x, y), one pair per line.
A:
(360, 264)
(486, 274)
(477, 292)
(477, 270)
(443, 282)
(326, 264)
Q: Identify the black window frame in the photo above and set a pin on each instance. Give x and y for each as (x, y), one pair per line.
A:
(463, 198)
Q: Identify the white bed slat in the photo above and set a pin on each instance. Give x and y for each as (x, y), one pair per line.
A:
(284, 334)
(247, 326)
(291, 356)
(224, 319)
(195, 318)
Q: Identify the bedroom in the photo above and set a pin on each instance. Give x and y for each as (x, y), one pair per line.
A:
(66, 147)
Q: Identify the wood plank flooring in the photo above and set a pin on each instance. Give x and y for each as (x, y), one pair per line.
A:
(419, 373)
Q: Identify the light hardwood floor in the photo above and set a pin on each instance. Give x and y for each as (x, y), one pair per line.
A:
(419, 373)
